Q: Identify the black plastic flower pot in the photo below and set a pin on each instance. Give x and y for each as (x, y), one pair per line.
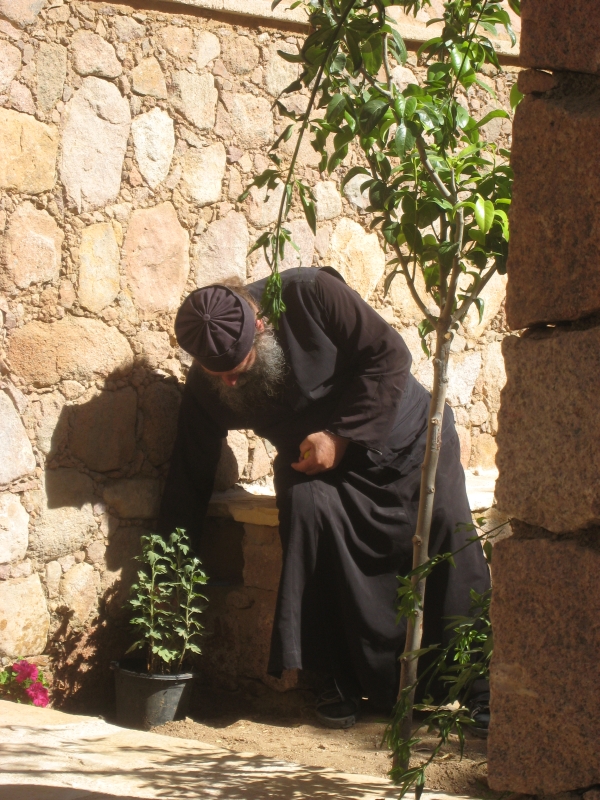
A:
(144, 700)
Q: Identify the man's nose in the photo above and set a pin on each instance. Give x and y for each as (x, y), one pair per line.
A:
(230, 380)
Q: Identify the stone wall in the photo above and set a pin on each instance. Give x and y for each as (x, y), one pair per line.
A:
(126, 138)
(545, 607)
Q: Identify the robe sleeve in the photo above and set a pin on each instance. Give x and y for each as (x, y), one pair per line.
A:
(378, 364)
(191, 477)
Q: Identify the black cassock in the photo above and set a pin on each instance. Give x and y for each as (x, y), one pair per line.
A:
(346, 533)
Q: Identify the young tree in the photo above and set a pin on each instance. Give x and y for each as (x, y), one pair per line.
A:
(440, 194)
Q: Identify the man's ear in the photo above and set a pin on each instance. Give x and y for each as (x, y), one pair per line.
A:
(260, 325)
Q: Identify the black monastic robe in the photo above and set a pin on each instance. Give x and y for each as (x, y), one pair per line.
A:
(346, 533)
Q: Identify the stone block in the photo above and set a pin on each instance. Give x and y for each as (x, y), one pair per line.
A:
(545, 706)
(328, 200)
(203, 173)
(154, 349)
(78, 590)
(17, 456)
(355, 194)
(32, 246)
(99, 280)
(148, 79)
(127, 29)
(121, 567)
(24, 618)
(93, 55)
(154, 142)
(357, 256)
(207, 48)
(65, 521)
(239, 54)
(233, 461)
(534, 80)
(51, 74)
(221, 253)
(21, 12)
(136, 498)
(197, 98)
(14, 527)
(463, 371)
(554, 247)
(493, 295)
(20, 98)
(29, 149)
(403, 77)
(177, 41)
(493, 375)
(96, 552)
(261, 547)
(10, 64)
(160, 409)
(52, 578)
(246, 119)
(280, 73)
(263, 205)
(560, 36)
(549, 430)
(260, 463)
(96, 124)
(484, 452)
(52, 427)
(303, 238)
(75, 348)
(102, 431)
(156, 258)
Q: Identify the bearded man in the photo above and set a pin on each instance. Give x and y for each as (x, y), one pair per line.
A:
(331, 389)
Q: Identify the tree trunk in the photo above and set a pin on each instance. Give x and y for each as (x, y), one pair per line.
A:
(414, 631)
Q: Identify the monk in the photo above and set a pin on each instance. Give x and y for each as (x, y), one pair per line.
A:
(331, 389)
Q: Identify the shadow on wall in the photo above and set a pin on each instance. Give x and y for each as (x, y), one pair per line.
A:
(106, 463)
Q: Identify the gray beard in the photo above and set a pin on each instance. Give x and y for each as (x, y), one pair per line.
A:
(263, 379)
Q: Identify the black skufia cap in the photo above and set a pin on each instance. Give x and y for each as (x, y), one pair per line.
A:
(216, 326)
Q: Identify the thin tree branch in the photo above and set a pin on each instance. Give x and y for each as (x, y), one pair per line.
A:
(386, 64)
(374, 83)
(440, 185)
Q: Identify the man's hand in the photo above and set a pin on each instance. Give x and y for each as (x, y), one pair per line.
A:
(319, 452)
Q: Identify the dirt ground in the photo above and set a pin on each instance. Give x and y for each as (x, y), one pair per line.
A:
(357, 750)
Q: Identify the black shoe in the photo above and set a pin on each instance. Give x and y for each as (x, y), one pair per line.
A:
(479, 708)
(334, 710)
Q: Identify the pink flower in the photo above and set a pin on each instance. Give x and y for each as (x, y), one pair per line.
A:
(38, 694)
(25, 671)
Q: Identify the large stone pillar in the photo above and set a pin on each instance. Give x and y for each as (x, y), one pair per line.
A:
(546, 603)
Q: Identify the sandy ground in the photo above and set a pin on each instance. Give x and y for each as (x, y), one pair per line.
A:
(357, 750)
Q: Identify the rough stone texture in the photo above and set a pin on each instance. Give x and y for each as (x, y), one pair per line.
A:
(73, 348)
(95, 132)
(197, 98)
(357, 256)
(51, 74)
(534, 80)
(303, 237)
(494, 375)
(32, 246)
(240, 55)
(14, 523)
(29, 149)
(203, 173)
(52, 429)
(98, 266)
(154, 142)
(260, 463)
(10, 63)
(279, 73)
(463, 371)
(354, 194)
(160, 406)
(20, 98)
(127, 29)
(21, 12)
(156, 258)
(263, 205)
(561, 36)
(153, 349)
(95, 553)
(484, 453)
(177, 41)
(78, 591)
(553, 245)
(548, 437)
(207, 48)
(138, 498)
(148, 79)
(17, 456)
(544, 692)
(52, 578)
(261, 547)
(121, 567)
(402, 77)
(66, 520)
(328, 200)
(93, 55)
(221, 252)
(103, 430)
(403, 304)
(24, 618)
(493, 295)
(234, 458)
(247, 119)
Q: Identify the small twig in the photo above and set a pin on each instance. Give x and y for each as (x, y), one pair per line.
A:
(374, 83)
(386, 64)
(431, 170)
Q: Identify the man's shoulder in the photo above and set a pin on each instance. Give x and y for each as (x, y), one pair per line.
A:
(296, 277)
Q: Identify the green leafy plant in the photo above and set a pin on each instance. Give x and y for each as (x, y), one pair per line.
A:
(166, 602)
(440, 194)
(24, 682)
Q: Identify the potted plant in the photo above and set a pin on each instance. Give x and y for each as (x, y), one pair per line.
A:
(166, 605)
